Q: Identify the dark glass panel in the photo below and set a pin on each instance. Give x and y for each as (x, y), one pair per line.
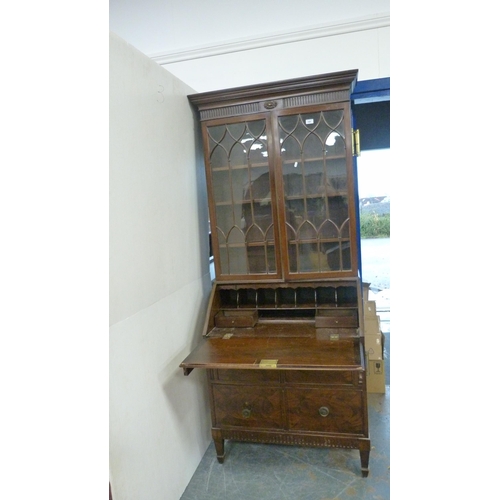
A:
(242, 196)
(315, 186)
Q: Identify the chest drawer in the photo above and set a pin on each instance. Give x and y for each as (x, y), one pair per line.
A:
(247, 406)
(246, 376)
(319, 377)
(325, 410)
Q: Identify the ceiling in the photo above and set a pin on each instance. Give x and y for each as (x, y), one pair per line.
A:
(169, 27)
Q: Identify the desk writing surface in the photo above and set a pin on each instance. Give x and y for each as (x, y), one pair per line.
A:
(289, 353)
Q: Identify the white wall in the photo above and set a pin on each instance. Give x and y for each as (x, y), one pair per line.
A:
(365, 50)
(159, 280)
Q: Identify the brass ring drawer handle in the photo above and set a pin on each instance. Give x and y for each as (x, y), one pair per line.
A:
(324, 411)
(246, 412)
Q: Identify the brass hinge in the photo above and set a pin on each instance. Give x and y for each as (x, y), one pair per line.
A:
(356, 145)
(268, 363)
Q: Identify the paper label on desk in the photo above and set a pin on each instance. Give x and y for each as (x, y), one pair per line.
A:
(268, 363)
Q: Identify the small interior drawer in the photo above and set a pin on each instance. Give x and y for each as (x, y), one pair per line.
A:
(236, 318)
(337, 318)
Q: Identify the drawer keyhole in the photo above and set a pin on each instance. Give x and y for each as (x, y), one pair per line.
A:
(247, 410)
(324, 411)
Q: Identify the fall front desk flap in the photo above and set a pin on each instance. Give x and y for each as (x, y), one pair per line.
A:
(227, 351)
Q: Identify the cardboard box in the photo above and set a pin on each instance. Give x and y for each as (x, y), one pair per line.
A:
(375, 376)
(374, 346)
(366, 290)
(370, 308)
(372, 324)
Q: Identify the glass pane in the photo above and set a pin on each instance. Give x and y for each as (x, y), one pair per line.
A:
(225, 220)
(237, 260)
(339, 256)
(219, 157)
(237, 155)
(221, 186)
(261, 259)
(293, 180)
(242, 195)
(336, 176)
(315, 187)
(290, 150)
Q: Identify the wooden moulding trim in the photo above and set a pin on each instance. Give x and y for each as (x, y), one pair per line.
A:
(331, 282)
(365, 23)
(342, 81)
(288, 102)
(242, 109)
(287, 438)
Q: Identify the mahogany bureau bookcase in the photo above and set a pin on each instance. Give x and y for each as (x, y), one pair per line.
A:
(282, 343)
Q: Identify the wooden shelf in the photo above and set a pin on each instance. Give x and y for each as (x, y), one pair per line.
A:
(230, 203)
(241, 167)
(342, 192)
(337, 156)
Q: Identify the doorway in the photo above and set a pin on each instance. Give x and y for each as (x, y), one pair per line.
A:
(371, 115)
(374, 209)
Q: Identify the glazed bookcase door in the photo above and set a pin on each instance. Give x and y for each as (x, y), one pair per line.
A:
(240, 187)
(317, 210)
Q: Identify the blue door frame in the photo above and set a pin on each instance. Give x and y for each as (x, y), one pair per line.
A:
(368, 95)
(371, 91)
